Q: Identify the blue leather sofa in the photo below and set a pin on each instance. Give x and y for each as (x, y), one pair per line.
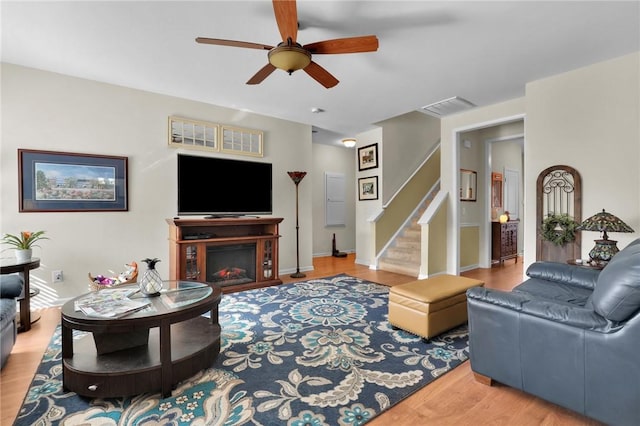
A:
(10, 289)
(567, 334)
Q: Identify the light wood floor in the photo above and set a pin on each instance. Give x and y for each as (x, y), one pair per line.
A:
(454, 399)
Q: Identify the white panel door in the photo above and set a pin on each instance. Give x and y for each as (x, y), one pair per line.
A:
(512, 192)
(334, 199)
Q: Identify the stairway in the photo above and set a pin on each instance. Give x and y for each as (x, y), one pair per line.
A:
(402, 256)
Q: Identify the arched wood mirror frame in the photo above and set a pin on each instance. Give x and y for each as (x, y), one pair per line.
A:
(558, 190)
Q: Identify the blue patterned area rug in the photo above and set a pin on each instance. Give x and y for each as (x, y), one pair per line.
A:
(319, 352)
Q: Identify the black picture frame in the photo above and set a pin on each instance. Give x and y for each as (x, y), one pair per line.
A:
(368, 188)
(51, 181)
(368, 157)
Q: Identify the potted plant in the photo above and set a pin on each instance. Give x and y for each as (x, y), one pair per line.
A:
(24, 243)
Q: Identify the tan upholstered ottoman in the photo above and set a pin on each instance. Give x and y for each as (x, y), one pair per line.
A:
(430, 306)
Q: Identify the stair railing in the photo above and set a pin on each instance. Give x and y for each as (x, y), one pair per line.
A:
(391, 219)
(430, 195)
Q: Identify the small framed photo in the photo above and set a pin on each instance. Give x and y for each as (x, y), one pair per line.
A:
(368, 188)
(368, 157)
(64, 182)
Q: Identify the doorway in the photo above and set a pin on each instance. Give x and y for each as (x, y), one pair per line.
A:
(512, 182)
(500, 147)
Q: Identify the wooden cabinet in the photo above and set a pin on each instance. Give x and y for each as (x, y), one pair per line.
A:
(504, 241)
(251, 244)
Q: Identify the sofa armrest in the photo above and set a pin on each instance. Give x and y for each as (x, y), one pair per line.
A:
(585, 319)
(510, 300)
(564, 273)
(10, 286)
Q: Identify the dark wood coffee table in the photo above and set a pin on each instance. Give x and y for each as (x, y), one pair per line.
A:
(180, 343)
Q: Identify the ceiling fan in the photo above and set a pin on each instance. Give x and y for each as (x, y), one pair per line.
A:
(291, 56)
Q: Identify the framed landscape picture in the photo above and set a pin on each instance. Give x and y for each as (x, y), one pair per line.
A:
(368, 157)
(63, 181)
(368, 188)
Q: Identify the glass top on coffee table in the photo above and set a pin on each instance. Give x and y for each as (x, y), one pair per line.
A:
(127, 300)
(184, 294)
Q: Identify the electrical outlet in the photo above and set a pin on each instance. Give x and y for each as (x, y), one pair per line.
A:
(56, 276)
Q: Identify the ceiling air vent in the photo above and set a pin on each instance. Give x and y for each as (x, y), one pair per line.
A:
(447, 106)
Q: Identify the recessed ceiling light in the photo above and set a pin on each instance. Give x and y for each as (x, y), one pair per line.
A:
(316, 110)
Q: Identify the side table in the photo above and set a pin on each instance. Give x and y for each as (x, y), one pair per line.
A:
(11, 266)
(589, 265)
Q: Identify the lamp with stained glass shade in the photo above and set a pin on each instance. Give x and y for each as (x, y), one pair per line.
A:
(604, 222)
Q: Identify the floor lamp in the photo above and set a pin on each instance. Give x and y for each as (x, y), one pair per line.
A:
(297, 177)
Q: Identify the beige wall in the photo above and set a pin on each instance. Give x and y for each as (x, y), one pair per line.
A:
(575, 118)
(368, 210)
(437, 262)
(333, 159)
(469, 243)
(408, 139)
(588, 119)
(47, 111)
(502, 131)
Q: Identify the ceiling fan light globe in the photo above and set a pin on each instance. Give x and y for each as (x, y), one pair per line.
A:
(289, 58)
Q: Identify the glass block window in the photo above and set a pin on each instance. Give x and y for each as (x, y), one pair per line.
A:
(241, 141)
(184, 133)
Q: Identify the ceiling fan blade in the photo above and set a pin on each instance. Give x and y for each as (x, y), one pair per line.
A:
(344, 45)
(321, 75)
(262, 74)
(286, 13)
(233, 43)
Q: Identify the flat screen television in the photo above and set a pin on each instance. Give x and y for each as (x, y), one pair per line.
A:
(219, 187)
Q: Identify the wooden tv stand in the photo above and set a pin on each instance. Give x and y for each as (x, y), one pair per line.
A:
(189, 240)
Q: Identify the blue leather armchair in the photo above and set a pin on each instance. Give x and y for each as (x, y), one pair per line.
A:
(10, 289)
(567, 334)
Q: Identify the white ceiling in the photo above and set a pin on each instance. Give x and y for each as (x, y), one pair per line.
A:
(481, 51)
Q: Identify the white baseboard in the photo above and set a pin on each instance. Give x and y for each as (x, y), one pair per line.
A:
(469, 268)
(290, 271)
(326, 254)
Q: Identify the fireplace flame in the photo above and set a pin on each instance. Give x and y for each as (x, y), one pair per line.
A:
(230, 273)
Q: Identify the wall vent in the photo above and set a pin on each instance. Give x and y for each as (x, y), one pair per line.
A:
(447, 106)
